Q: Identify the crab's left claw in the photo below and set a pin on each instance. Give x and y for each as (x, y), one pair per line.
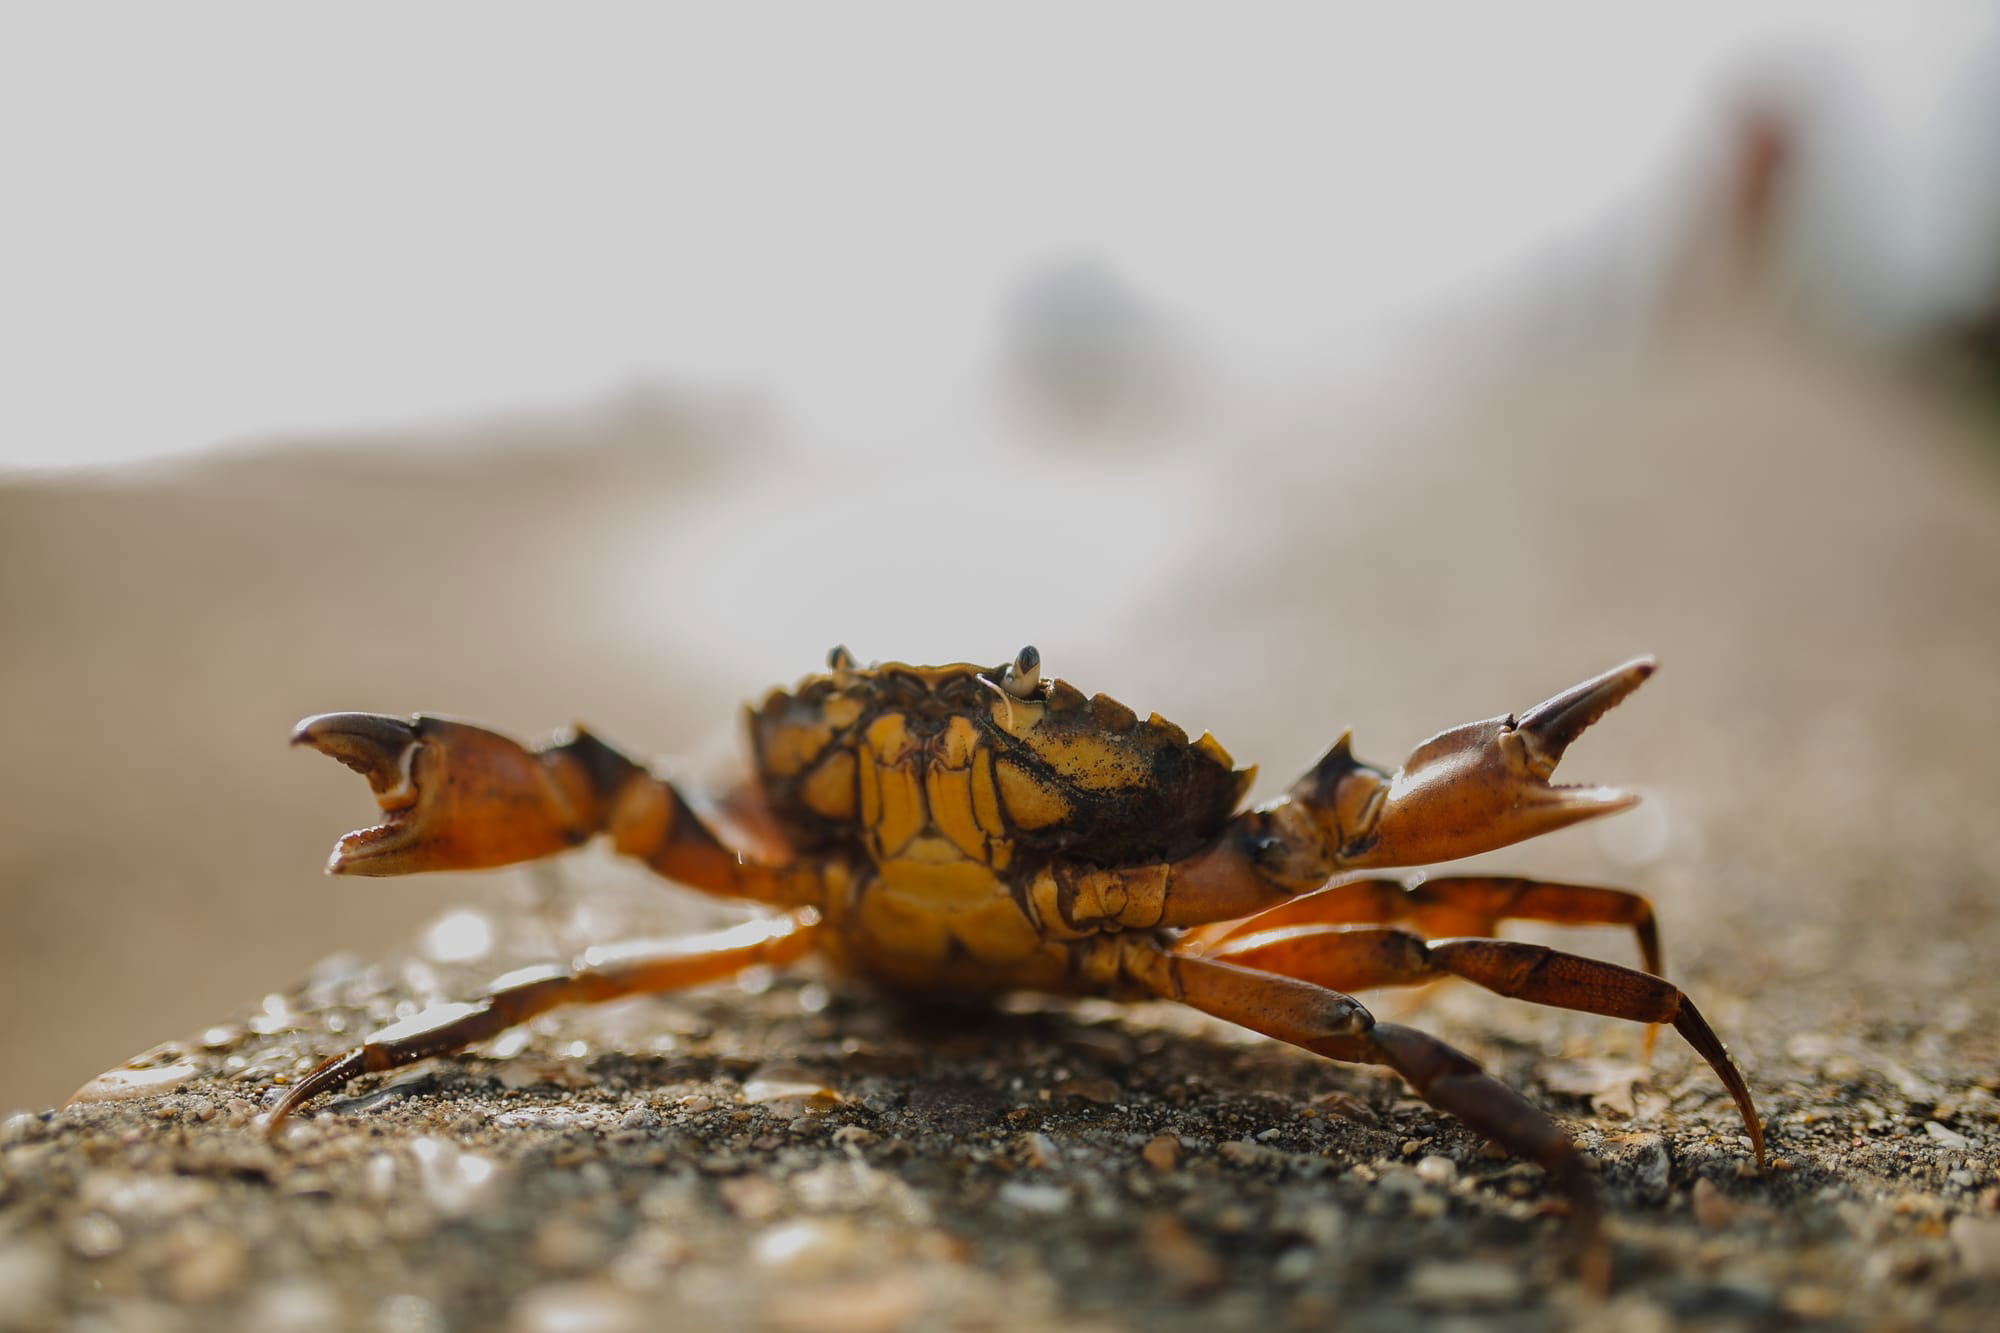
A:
(1473, 788)
(454, 796)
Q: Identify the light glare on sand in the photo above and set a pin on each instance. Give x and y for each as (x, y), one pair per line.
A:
(463, 935)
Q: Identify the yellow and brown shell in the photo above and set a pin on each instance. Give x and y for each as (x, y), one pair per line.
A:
(1007, 768)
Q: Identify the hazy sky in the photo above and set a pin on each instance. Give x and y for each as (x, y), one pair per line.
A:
(226, 220)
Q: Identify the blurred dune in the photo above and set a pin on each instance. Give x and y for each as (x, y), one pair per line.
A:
(166, 627)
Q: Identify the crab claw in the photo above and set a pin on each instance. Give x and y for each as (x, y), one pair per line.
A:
(457, 797)
(1486, 784)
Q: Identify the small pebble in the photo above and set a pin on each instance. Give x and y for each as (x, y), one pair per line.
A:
(1464, 1284)
(294, 1306)
(1427, 1204)
(640, 1117)
(1178, 1255)
(1295, 1265)
(1812, 1302)
(1976, 1241)
(453, 1181)
(1895, 1264)
(407, 1312)
(115, 1085)
(1436, 1170)
(1038, 1150)
(207, 1270)
(813, 1247)
(1034, 1198)
(1163, 1153)
(1950, 1138)
(1712, 1208)
(1651, 1165)
(871, 1305)
(568, 1245)
(1233, 1220)
(854, 1136)
(649, 1257)
(1242, 1152)
(1100, 1090)
(1348, 1107)
(752, 1198)
(579, 1307)
(780, 1083)
(95, 1236)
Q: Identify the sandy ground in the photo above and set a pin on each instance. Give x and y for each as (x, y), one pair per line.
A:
(1812, 548)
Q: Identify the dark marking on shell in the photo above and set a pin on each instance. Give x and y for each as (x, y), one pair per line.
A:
(1177, 800)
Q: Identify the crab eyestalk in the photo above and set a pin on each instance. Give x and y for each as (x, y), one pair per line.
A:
(1471, 789)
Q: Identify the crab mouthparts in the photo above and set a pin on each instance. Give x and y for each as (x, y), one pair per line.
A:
(381, 749)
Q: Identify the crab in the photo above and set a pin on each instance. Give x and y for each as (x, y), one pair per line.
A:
(969, 829)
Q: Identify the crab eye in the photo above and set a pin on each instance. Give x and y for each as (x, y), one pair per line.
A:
(1023, 675)
(839, 659)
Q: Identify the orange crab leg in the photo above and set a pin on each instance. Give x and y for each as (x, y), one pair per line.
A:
(1357, 959)
(600, 974)
(1331, 1024)
(1453, 905)
(460, 797)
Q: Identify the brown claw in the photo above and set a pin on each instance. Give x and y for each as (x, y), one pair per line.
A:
(379, 748)
(1480, 786)
(1550, 726)
(457, 797)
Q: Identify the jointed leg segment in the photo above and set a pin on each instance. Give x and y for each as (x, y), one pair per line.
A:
(601, 974)
(1364, 957)
(1331, 1024)
(1455, 905)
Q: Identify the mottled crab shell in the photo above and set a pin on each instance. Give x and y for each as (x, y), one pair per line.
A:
(866, 758)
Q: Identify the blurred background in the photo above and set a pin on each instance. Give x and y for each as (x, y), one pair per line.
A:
(1279, 370)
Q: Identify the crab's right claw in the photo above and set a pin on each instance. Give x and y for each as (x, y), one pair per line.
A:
(456, 796)
(1473, 788)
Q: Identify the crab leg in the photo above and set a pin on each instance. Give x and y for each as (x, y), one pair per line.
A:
(1331, 1024)
(600, 974)
(1358, 959)
(1451, 905)
(460, 797)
